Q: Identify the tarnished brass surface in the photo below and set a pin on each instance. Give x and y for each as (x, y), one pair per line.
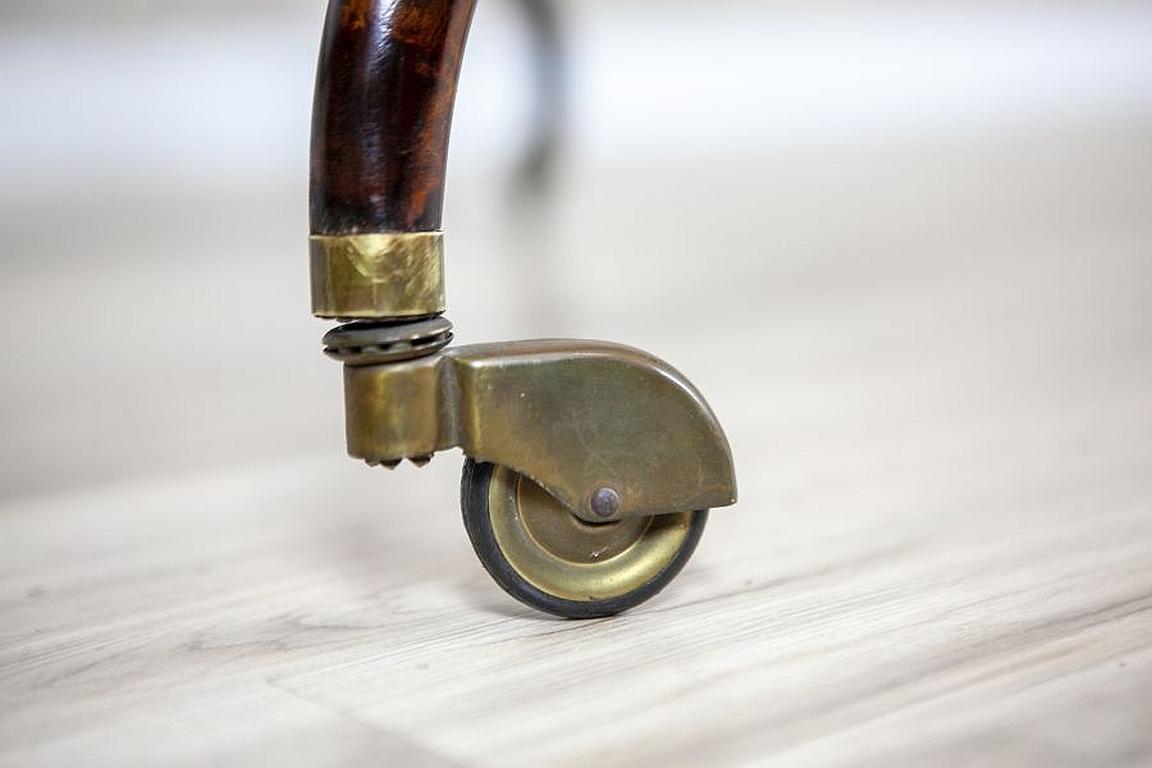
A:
(574, 416)
(380, 275)
(571, 559)
(399, 410)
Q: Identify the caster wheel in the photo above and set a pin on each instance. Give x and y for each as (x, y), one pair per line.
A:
(546, 557)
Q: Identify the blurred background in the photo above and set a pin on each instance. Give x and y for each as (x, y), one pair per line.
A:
(903, 248)
(726, 169)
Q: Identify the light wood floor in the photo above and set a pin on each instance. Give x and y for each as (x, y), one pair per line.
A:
(935, 366)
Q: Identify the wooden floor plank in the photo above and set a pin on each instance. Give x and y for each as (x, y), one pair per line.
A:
(934, 367)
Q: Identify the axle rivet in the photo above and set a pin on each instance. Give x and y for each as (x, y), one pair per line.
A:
(605, 503)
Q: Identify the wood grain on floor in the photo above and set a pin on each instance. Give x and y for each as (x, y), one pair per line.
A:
(935, 367)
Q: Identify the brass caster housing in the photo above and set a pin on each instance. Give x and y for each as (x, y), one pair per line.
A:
(610, 432)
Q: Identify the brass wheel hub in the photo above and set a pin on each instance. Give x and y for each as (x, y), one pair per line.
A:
(564, 556)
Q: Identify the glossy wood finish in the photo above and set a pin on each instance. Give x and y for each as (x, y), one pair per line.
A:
(385, 89)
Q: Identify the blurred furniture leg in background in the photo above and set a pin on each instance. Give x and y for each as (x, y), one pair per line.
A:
(535, 175)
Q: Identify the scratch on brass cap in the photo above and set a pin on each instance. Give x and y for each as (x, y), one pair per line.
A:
(378, 275)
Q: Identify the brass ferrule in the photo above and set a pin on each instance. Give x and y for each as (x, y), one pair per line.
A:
(378, 275)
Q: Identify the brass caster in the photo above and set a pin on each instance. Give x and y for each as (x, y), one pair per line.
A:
(543, 555)
(585, 457)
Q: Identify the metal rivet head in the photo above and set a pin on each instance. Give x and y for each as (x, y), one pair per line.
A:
(605, 503)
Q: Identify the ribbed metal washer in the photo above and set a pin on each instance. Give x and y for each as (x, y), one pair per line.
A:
(371, 342)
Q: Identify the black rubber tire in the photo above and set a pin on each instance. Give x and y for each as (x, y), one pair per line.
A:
(474, 483)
